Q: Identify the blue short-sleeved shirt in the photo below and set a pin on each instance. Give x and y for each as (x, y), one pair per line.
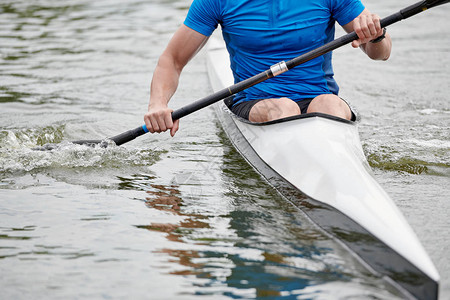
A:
(260, 33)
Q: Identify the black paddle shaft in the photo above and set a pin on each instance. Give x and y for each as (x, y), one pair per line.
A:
(272, 72)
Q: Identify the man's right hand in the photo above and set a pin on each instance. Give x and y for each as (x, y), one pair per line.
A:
(159, 119)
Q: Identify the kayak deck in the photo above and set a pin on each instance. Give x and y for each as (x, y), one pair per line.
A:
(316, 162)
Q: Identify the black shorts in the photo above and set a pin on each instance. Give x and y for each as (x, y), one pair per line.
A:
(243, 109)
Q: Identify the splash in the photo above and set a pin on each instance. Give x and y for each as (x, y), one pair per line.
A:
(31, 137)
(17, 154)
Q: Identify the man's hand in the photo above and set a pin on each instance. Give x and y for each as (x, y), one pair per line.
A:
(367, 27)
(159, 119)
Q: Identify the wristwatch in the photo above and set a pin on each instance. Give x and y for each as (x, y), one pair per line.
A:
(380, 38)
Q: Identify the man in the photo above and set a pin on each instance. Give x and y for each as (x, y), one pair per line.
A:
(258, 34)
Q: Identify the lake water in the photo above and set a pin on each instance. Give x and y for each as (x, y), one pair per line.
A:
(161, 217)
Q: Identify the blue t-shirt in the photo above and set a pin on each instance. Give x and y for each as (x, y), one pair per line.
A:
(261, 33)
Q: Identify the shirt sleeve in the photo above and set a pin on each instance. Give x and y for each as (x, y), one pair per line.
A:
(203, 16)
(344, 11)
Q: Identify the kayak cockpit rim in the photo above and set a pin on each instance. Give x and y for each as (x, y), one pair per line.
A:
(356, 118)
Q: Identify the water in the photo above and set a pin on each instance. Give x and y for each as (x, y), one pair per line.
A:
(162, 218)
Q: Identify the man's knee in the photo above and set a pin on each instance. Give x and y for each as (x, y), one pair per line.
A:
(330, 104)
(287, 108)
(273, 109)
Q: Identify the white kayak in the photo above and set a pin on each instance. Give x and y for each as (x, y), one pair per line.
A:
(316, 161)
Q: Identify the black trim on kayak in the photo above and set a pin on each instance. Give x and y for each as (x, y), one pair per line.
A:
(381, 259)
(356, 118)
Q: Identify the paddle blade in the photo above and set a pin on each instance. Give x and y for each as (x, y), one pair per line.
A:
(115, 140)
(46, 147)
(90, 143)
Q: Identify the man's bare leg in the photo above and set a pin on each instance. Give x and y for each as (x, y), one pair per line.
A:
(330, 104)
(277, 108)
(273, 109)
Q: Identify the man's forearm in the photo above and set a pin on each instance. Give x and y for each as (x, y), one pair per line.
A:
(164, 82)
(380, 50)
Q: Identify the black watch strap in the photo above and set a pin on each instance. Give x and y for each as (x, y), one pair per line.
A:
(380, 38)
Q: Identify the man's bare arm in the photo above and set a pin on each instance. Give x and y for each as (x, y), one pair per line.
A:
(182, 47)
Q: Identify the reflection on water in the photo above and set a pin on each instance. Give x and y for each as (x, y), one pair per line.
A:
(168, 199)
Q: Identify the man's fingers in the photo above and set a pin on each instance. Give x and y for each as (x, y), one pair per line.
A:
(367, 27)
(377, 23)
(159, 121)
(154, 124)
(365, 31)
(357, 27)
(174, 129)
(160, 118)
(356, 43)
(371, 28)
(168, 119)
(148, 124)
